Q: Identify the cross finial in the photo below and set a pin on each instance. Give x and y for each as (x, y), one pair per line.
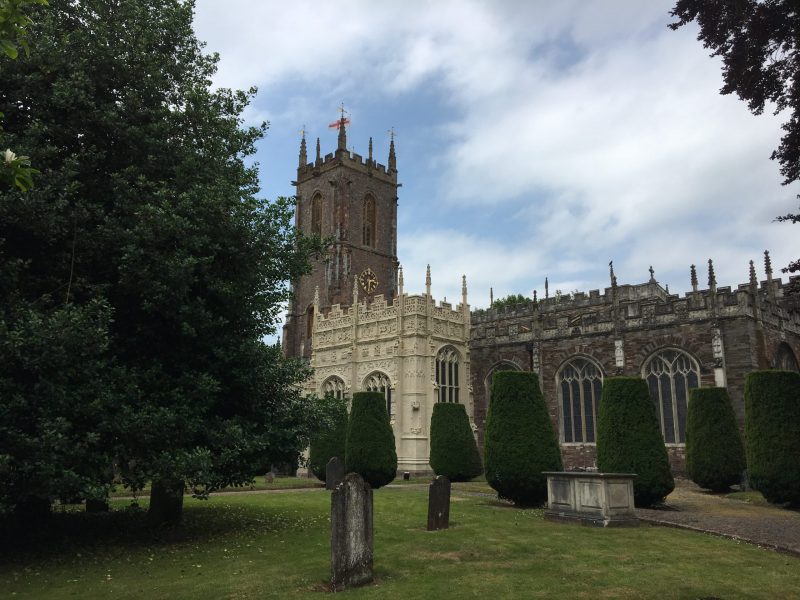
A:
(303, 131)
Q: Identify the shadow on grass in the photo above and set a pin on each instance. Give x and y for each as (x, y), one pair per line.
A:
(71, 531)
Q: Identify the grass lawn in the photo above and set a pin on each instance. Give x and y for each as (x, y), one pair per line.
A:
(278, 545)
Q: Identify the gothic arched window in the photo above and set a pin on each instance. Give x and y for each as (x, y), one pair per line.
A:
(447, 374)
(309, 322)
(785, 359)
(580, 386)
(316, 214)
(379, 382)
(670, 374)
(333, 386)
(504, 365)
(368, 221)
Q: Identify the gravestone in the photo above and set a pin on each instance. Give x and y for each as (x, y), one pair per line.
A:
(439, 503)
(334, 473)
(351, 533)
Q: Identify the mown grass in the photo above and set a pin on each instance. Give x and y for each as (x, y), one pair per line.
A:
(748, 497)
(278, 545)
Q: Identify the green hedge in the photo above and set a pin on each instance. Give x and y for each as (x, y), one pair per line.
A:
(454, 452)
(629, 439)
(772, 428)
(331, 440)
(714, 449)
(519, 441)
(370, 449)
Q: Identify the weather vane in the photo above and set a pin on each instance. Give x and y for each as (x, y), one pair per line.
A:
(342, 120)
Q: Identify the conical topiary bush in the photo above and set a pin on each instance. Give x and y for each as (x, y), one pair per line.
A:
(454, 452)
(331, 440)
(629, 439)
(370, 449)
(772, 428)
(519, 441)
(714, 449)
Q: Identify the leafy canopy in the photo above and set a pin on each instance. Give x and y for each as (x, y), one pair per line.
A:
(146, 229)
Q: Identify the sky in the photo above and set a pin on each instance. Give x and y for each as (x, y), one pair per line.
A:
(534, 139)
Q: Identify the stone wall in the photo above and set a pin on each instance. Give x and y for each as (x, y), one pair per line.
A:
(728, 333)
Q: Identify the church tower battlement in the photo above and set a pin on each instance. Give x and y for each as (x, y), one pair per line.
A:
(352, 201)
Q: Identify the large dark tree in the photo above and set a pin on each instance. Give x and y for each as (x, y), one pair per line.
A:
(759, 43)
(145, 237)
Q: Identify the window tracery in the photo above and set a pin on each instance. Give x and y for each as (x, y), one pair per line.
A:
(670, 374)
(379, 382)
(447, 374)
(580, 387)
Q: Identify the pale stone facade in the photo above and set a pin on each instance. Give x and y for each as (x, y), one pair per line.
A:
(413, 350)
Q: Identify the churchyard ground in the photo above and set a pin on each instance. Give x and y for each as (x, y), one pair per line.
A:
(253, 545)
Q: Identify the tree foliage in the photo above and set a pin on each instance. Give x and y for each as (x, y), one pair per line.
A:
(714, 450)
(370, 448)
(146, 229)
(772, 423)
(520, 442)
(454, 451)
(14, 22)
(629, 439)
(510, 301)
(759, 44)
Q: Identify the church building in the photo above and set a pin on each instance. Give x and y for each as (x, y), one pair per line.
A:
(351, 317)
(353, 321)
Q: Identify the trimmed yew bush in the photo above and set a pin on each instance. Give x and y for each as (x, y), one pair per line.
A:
(714, 449)
(629, 439)
(331, 440)
(519, 441)
(772, 427)
(454, 452)
(370, 450)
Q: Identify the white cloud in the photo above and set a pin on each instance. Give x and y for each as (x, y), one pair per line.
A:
(593, 130)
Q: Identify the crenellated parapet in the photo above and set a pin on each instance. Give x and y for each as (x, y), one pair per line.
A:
(628, 307)
(354, 161)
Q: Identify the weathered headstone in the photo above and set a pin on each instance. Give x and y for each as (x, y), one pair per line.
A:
(439, 503)
(334, 473)
(351, 533)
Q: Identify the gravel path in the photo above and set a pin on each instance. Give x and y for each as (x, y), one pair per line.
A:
(689, 507)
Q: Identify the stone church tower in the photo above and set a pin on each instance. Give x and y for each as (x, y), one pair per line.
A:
(353, 202)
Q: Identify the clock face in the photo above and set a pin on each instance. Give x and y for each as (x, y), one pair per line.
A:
(368, 280)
